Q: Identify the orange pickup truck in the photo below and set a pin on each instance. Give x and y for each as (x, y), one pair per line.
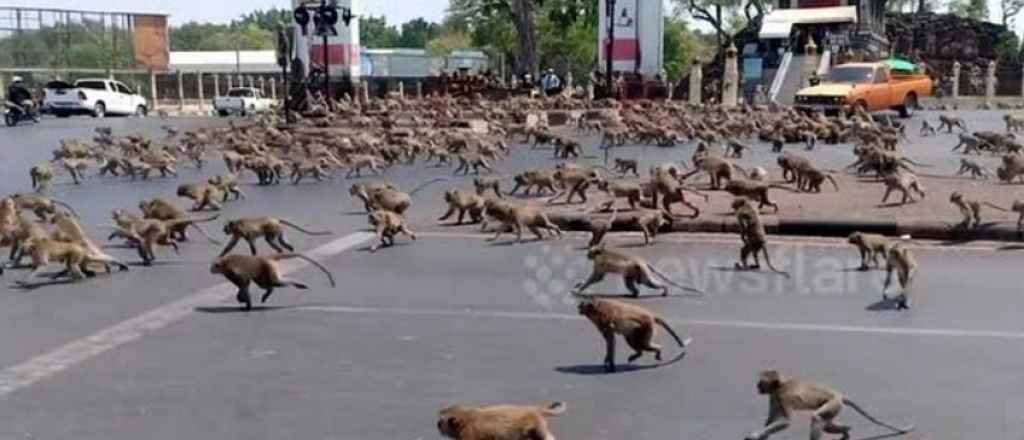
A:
(870, 86)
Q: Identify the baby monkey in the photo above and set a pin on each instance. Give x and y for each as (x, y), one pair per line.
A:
(789, 395)
(976, 169)
(634, 323)
(498, 422)
(243, 270)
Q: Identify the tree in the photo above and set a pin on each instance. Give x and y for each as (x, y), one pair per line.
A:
(446, 43)
(416, 33)
(375, 32)
(973, 9)
(521, 13)
(721, 14)
(270, 20)
(682, 47)
(1008, 10)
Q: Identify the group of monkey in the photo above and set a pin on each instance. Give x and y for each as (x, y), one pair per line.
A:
(267, 152)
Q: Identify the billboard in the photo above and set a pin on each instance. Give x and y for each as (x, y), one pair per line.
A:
(638, 36)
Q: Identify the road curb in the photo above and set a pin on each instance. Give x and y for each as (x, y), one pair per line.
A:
(929, 230)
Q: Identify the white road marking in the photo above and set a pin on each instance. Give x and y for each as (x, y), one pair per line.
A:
(41, 367)
(715, 238)
(754, 325)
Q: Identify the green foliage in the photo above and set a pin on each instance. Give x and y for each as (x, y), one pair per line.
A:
(416, 33)
(87, 44)
(1008, 47)
(375, 32)
(682, 46)
(973, 9)
(269, 20)
(448, 42)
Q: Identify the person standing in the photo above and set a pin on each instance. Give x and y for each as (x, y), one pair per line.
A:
(550, 83)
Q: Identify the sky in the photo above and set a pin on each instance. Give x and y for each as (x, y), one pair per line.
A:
(220, 11)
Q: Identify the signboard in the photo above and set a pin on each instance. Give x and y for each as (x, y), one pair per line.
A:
(638, 36)
(752, 68)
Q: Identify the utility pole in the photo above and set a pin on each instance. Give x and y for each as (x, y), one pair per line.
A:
(327, 61)
(610, 18)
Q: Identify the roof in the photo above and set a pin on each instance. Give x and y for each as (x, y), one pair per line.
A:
(80, 11)
(778, 23)
(225, 61)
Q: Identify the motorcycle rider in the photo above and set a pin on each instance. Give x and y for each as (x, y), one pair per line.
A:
(20, 95)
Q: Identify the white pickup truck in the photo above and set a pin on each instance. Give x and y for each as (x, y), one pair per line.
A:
(98, 97)
(243, 101)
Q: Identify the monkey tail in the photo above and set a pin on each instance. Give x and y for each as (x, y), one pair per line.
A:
(740, 170)
(330, 276)
(768, 260)
(554, 409)
(428, 183)
(695, 191)
(201, 231)
(673, 282)
(833, 180)
(670, 331)
(66, 206)
(872, 419)
(908, 160)
(786, 188)
(996, 207)
(204, 219)
(303, 230)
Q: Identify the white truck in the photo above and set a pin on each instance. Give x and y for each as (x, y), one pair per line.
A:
(243, 101)
(98, 97)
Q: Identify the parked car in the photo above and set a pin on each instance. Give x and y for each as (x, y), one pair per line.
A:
(243, 101)
(869, 86)
(98, 97)
(51, 89)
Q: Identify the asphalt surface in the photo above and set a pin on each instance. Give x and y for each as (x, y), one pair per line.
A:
(163, 352)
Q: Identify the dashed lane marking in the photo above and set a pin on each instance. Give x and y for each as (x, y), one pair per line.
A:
(46, 365)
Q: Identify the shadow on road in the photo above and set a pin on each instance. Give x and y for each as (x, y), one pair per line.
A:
(598, 370)
(230, 309)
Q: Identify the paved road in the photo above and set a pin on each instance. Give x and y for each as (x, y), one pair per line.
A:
(161, 352)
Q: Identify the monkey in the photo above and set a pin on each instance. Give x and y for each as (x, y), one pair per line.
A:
(243, 270)
(734, 148)
(870, 245)
(205, 195)
(613, 137)
(567, 147)
(76, 258)
(151, 232)
(464, 202)
(1012, 168)
(758, 174)
(41, 176)
(269, 228)
(976, 169)
(22, 229)
(622, 166)
(778, 142)
(387, 225)
(757, 191)
(663, 182)
(69, 230)
(543, 180)
(228, 184)
(500, 422)
(76, 168)
(357, 162)
(717, 167)
(905, 183)
(475, 161)
(1014, 124)
(901, 261)
(482, 185)
(971, 209)
(318, 169)
(633, 270)
(951, 121)
(634, 323)
(786, 396)
(515, 218)
(574, 182)
(160, 209)
(364, 189)
(971, 143)
(926, 128)
(809, 137)
(813, 178)
(792, 165)
(40, 205)
(632, 192)
(753, 235)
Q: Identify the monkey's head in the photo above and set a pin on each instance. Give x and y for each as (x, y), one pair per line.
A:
(596, 251)
(956, 196)
(184, 190)
(356, 189)
(587, 307)
(740, 202)
(449, 194)
(449, 421)
(215, 267)
(769, 382)
(855, 237)
(231, 227)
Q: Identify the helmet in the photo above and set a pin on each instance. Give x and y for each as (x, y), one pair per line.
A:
(17, 79)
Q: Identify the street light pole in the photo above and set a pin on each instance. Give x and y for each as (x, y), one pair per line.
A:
(327, 63)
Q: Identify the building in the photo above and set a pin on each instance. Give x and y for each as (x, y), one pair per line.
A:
(834, 25)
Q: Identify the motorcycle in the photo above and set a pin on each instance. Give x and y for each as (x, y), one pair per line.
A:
(14, 114)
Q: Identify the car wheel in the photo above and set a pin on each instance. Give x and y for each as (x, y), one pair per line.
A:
(10, 120)
(909, 106)
(99, 111)
(61, 114)
(141, 111)
(222, 113)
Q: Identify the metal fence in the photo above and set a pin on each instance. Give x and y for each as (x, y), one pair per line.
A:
(36, 38)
